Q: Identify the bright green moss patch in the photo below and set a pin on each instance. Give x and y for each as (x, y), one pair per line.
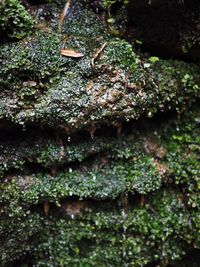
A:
(121, 54)
(15, 21)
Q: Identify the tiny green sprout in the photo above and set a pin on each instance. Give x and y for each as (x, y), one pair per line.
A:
(109, 3)
(153, 59)
(111, 20)
(138, 42)
(184, 49)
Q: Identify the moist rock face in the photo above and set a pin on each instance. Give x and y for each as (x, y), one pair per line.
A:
(99, 149)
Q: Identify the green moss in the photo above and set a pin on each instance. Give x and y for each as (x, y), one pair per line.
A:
(147, 179)
(38, 84)
(35, 58)
(121, 54)
(160, 235)
(163, 230)
(135, 164)
(49, 153)
(15, 21)
(138, 164)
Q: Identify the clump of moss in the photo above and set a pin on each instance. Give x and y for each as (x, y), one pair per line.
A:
(54, 90)
(80, 234)
(119, 165)
(15, 21)
(43, 86)
(160, 234)
(138, 164)
(121, 54)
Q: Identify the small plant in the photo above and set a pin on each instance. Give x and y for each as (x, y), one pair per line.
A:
(153, 59)
(108, 5)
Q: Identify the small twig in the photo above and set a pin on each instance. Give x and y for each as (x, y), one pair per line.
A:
(63, 14)
(46, 208)
(98, 53)
(92, 130)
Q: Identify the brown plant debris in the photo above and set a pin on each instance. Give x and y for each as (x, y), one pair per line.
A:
(71, 53)
(98, 52)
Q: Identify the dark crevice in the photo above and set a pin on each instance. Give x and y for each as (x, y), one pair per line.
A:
(191, 259)
(11, 131)
(160, 25)
(12, 134)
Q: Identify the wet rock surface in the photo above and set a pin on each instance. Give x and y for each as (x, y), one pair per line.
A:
(99, 155)
(38, 85)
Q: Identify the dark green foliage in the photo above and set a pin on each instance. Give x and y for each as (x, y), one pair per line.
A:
(158, 231)
(15, 21)
(119, 164)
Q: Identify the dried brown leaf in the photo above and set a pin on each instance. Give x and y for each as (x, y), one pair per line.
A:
(71, 53)
(64, 14)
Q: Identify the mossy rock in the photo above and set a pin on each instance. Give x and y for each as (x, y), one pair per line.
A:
(85, 233)
(91, 179)
(40, 86)
(69, 93)
(151, 225)
(15, 21)
(105, 167)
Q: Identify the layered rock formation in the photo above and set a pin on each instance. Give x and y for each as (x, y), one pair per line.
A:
(99, 154)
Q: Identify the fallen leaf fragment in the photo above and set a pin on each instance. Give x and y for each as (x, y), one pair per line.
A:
(98, 52)
(30, 83)
(64, 14)
(71, 53)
